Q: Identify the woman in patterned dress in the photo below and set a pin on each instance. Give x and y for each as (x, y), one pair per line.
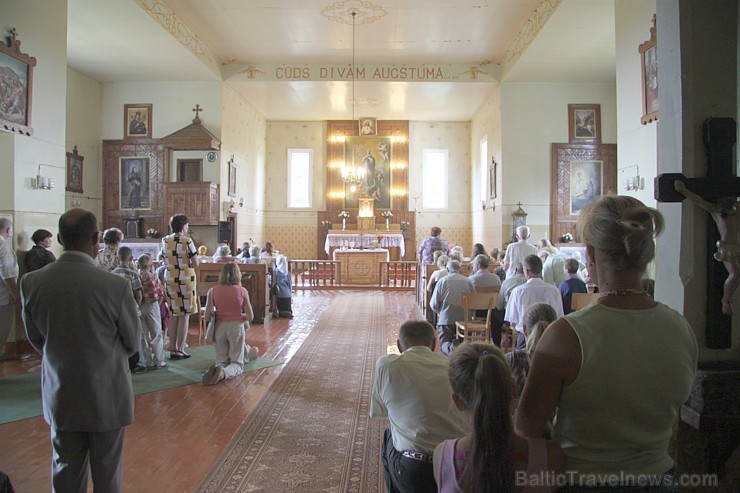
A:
(107, 258)
(181, 258)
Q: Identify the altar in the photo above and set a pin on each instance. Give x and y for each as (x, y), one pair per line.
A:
(360, 266)
(393, 242)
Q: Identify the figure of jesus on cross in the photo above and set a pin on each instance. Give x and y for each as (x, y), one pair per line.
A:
(725, 215)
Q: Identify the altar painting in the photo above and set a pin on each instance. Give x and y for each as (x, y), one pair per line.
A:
(374, 155)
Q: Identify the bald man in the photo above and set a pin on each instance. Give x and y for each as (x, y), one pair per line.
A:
(83, 321)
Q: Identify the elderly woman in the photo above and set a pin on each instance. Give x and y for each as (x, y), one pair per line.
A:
(617, 371)
(39, 255)
(181, 258)
(107, 258)
(254, 255)
(223, 255)
(431, 245)
(283, 288)
(439, 273)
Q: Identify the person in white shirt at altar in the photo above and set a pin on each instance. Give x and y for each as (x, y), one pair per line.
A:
(516, 252)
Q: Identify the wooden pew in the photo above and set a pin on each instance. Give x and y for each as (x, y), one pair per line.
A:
(254, 279)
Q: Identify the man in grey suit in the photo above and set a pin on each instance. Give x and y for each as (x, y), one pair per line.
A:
(83, 322)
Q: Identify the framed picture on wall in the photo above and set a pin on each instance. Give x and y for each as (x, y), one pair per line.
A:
(74, 171)
(137, 121)
(584, 123)
(373, 154)
(367, 126)
(649, 69)
(16, 83)
(135, 183)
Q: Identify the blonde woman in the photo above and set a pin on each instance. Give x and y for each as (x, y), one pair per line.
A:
(230, 300)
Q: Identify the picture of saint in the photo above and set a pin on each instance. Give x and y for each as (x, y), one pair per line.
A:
(585, 124)
(367, 126)
(13, 90)
(135, 183)
(651, 81)
(585, 184)
(137, 125)
(373, 154)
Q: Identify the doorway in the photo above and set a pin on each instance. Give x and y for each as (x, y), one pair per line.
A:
(189, 170)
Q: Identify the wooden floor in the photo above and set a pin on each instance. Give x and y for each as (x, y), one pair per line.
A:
(179, 433)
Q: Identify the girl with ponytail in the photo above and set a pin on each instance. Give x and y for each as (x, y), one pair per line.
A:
(491, 458)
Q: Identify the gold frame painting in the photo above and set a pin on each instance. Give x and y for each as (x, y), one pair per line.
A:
(137, 121)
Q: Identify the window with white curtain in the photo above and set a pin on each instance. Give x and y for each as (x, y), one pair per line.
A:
(434, 187)
(300, 164)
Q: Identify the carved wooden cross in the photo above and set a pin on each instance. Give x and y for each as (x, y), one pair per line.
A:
(719, 138)
(197, 110)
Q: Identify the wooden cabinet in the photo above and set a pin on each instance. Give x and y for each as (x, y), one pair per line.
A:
(197, 200)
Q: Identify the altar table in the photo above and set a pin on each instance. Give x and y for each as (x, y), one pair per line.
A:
(361, 266)
(361, 239)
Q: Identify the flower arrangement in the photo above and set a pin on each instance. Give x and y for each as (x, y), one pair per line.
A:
(404, 225)
(151, 232)
(566, 238)
(326, 224)
(343, 215)
(380, 238)
(387, 214)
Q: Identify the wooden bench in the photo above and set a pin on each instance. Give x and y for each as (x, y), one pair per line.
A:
(254, 279)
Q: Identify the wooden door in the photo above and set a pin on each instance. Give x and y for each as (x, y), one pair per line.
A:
(189, 170)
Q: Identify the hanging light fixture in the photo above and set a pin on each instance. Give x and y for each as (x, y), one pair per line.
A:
(353, 175)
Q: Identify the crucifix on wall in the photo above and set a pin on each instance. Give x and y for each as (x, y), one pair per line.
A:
(714, 194)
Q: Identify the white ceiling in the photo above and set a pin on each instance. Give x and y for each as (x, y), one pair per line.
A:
(116, 40)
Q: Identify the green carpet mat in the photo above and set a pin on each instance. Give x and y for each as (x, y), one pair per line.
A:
(20, 395)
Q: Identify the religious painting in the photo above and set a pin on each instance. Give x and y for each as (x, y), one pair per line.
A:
(585, 184)
(649, 68)
(580, 174)
(137, 121)
(134, 183)
(232, 178)
(373, 155)
(584, 123)
(74, 171)
(16, 87)
(367, 126)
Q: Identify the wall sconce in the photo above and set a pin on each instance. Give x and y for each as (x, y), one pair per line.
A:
(241, 201)
(633, 182)
(335, 195)
(335, 139)
(398, 166)
(398, 192)
(398, 139)
(43, 182)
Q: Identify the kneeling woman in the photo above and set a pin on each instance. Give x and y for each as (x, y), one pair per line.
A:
(233, 312)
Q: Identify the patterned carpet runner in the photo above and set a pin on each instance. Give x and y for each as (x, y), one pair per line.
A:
(311, 432)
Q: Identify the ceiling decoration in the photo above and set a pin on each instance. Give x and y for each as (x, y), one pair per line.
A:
(180, 31)
(341, 12)
(528, 33)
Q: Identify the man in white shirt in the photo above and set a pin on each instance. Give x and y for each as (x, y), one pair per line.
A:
(8, 285)
(535, 290)
(516, 252)
(412, 390)
(446, 303)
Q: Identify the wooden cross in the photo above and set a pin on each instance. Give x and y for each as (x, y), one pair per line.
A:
(197, 110)
(719, 138)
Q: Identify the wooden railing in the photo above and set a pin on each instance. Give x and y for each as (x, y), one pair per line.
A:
(312, 274)
(399, 274)
(325, 274)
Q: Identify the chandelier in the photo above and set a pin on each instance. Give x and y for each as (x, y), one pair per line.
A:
(353, 175)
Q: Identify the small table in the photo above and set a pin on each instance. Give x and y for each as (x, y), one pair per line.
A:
(361, 266)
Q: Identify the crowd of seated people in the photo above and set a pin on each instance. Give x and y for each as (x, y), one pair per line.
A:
(572, 369)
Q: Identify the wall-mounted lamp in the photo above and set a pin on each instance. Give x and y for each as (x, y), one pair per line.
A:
(633, 182)
(43, 182)
(241, 201)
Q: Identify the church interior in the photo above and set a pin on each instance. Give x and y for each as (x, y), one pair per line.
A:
(326, 126)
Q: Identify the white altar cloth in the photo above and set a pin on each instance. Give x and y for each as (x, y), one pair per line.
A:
(364, 240)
